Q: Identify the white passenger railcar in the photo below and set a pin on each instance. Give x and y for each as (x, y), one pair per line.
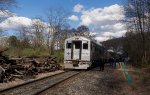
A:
(82, 53)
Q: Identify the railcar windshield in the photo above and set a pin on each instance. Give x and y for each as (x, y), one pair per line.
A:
(77, 44)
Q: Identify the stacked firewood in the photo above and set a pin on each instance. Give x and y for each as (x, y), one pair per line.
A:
(25, 66)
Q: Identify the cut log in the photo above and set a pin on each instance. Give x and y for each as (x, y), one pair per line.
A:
(2, 71)
(18, 72)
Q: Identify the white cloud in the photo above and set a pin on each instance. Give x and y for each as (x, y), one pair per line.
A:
(113, 34)
(15, 22)
(73, 18)
(6, 13)
(100, 39)
(102, 15)
(108, 35)
(105, 20)
(78, 8)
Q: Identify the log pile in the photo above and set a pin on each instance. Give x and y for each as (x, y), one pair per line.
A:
(25, 66)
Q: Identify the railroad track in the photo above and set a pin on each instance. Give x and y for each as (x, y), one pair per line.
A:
(38, 86)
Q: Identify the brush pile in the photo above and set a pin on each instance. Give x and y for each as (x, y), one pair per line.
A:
(25, 66)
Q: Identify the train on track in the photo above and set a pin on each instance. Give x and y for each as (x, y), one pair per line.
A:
(82, 53)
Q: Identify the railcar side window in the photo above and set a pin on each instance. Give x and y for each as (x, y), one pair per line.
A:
(68, 45)
(85, 46)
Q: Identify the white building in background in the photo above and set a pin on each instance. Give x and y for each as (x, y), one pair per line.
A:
(3, 41)
(57, 45)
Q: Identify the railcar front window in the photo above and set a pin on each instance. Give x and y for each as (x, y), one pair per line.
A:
(68, 45)
(77, 45)
(85, 46)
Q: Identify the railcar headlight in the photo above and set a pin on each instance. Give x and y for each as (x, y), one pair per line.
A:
(68, 62)
(82, 63)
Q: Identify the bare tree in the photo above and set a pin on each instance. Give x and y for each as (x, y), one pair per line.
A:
(38, 30)
(57, 20)
(83, 28)
(85, 31)
(24, 36)
(13, 41)
(33, 34)
(22, 32)
(5, 5)
(138, 17)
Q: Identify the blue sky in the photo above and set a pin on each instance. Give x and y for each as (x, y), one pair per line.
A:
(101, 16)
(33, 8)
(37, 8)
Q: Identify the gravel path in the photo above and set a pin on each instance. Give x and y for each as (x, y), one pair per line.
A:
(93, 82)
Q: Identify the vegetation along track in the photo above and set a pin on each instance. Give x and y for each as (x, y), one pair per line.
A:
(35, 87)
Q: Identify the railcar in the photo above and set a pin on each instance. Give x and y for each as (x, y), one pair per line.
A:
(82, 53)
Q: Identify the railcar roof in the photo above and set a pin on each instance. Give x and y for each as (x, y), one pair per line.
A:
(79, 37)
(83, 38)
(97, 43)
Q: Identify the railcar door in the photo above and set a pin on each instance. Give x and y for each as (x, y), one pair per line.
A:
(85, 51)
(76, 50)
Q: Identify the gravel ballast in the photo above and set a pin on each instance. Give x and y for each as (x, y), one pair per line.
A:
(92, 82)
(20, 81)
